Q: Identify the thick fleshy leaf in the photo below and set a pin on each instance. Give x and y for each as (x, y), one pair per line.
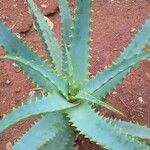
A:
(93, 99)
(67, 65)
(66, 20)
(132, 128)
(142, 38)
(48, 74)
(102, 79)
(100, 130)
(45, 129)
(50, 42)
(15, 47)
(46, 104)
(136, 46)
(64, 140)
(107, 88)
(66, 23)
(80, 41)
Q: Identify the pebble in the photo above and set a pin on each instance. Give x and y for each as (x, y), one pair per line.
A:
(15, 65)
(141, 99)
(18, 90)
(133, 30)
(8, 146)
(44, 6)
(8, 82)
(114, 93)
(50, 23)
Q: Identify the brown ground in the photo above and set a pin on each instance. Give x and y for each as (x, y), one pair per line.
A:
(115, 23)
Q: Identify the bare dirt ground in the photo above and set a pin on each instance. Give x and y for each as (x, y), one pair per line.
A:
(115, 23)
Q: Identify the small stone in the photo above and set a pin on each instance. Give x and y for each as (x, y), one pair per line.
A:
(133, 30)
(141, 99)
(18, 90)
(114, 93)
(50, 23)
(148, 74)
(31, 93)
(15, 65)
(8, 82)
(8, 146)
(44, 6)
(18, 35)
(18, 70)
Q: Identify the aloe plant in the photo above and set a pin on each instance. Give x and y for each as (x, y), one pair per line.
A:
(72, 96)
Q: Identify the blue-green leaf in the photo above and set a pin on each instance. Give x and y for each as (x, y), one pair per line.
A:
(15, 47)
(80, 41)
(100, 130)
(104, 78)
(46, 104)
(107, 88)
(90, 98)
(138, 43)
(64, 140)
(106, 81)
(48, 74)
(132, 128)
(66, 20)
(67, 68)
(45, 129)
(50, 42)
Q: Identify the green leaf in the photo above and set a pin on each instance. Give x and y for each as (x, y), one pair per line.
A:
(45, 129)
(48, 74)
(46, 104)
(135, 47)
(138, 43)
(107, 88)
(67, 68)
(104, 78)
(66, 20)
(80, 41)
(15, 47)
(100, 130)
(50, 42)
(38, 78)
(132, 129)
(90, 98)
(64, 140)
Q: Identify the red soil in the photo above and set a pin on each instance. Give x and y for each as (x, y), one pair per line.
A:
(115, 23)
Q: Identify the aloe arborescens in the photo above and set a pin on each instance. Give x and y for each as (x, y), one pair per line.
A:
(72, 95)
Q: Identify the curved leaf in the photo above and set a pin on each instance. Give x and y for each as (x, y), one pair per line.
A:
(93, 99)
(103, 78)
(138, 43)
(79, 49)
(100, 130)
(107, 88)
(51, 103)
(15, 47)
(50, 42)
(45, 129)
(49, 75)
(64, 140)
(66, 20)
(132, 129)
